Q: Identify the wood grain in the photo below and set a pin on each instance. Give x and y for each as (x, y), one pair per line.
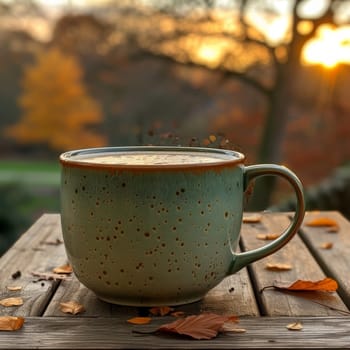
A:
(304, 266)
(335, 261)
(32, 253)
(116, 333)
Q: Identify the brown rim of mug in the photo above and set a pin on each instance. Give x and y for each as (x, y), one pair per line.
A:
(68, 158)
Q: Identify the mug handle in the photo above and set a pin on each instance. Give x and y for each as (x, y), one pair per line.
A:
(250, 173)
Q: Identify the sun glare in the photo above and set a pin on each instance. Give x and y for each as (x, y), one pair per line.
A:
(329, 48)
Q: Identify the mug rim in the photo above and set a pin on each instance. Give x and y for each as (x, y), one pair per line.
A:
(67, 158)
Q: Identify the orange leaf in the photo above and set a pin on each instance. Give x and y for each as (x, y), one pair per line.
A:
(278, 267)
(295, 326)
(160, 310)
(203, 326)
(324, 222)
(267, 236)
(11, 323)
(71, 307)
(139, 320)
(325, 285)
(11, 302)
(64, 269)
(326, 245)
(252, 218)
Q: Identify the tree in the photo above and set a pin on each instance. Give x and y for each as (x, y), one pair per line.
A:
(57, 110)
(184, 28)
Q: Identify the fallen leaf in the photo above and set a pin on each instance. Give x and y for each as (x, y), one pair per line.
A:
(203, 326)
(326, 245)
(14, 288)
(72, 307)
(267, 236)
(42, 276)
(252, 218)
(325, 285)
(278, 267)
(160, 310)
(64, 269)
(11, 323)
(11, 302)
(139, 320)
(324, 222)
(212, 138)
(295, 326)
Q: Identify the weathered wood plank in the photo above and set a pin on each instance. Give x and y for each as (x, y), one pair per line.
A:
(116, 333)
(32, 253)
(234, 295)
(335, 261)
(295, 253)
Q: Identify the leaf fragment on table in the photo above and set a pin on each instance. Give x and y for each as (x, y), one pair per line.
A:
(139, 320)
(232, 328)
(72, 307)
(326, 245)
(64, 269)
(11, 302)
(267, 236)
(295, 326)
(160, 310)
(325, 285)
(252, 218)
(203, 326)
(278, 267)
(331, 224)
(14, 288)
(11, 323)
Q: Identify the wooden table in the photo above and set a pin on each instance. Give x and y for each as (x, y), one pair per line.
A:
(264, 315)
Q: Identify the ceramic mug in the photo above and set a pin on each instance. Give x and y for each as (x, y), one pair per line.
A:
(152, 225)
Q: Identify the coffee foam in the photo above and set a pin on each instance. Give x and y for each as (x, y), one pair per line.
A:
(155, 158)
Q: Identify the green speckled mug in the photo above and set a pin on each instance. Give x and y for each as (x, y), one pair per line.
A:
(151, 225)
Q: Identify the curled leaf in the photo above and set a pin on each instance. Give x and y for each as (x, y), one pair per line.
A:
(203, 326)
(14, 288)
(139, 320)
(11, 323)
(295, 326)
(325, 285)
(278, 267)
(160, 310)
(64, 269)
(11, 302)
(252, 218)
(72, 307)
(331, 224)
(267, 236)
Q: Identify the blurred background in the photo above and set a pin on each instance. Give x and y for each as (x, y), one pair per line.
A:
(269, 78)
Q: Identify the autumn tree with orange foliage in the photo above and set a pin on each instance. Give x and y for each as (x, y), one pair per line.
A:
(57, 110)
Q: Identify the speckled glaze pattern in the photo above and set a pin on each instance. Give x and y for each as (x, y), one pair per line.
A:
(149, 238)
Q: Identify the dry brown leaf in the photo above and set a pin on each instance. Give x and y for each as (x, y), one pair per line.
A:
(72, 307)
(295, 326)
(278, 267)
(325, 285)
(11, 323)
(232, 328)
(331, 224)
(203, 326)
(267, 236)
(252, 218)
(14, 288)
(11, 302)
(160, 310)
(139, 320)
(64, 269)
(326, 245)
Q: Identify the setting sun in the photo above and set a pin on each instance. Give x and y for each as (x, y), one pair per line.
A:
(329, 48)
